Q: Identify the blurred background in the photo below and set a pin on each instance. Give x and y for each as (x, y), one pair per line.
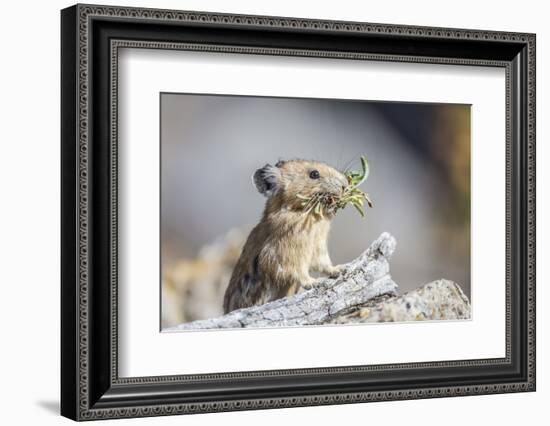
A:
(419, 157)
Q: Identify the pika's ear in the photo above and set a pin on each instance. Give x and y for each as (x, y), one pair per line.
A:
(267, 180)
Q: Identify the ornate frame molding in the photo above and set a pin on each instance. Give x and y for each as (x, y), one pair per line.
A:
(78, 24)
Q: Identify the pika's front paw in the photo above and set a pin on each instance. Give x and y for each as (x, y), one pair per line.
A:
(308, 285)
(336, 271)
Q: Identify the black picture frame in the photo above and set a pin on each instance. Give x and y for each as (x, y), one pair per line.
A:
(90, 386)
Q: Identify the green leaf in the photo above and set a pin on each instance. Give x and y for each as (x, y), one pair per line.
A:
(359, 209)
(365, 166)
(357, 178)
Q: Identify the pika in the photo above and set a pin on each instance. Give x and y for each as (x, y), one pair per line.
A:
(291, 239)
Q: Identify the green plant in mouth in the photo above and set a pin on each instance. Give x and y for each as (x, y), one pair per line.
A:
(352, 195)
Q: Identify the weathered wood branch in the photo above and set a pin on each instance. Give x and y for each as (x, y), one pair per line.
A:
(363, 279)
(438, 300)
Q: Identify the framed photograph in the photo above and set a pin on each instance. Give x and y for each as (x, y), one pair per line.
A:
(263, 212)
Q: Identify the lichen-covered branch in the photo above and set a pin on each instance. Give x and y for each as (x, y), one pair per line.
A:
(363, 279)
(438, 300)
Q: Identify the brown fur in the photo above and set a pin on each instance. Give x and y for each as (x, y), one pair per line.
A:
(289, 242)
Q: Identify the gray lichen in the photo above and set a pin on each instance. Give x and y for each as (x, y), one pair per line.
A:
(438, 300)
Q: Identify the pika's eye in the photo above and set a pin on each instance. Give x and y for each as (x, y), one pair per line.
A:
(314, 174)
